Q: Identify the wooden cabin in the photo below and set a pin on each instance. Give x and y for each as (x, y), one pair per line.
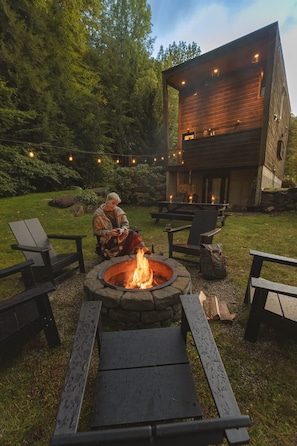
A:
(233, 119)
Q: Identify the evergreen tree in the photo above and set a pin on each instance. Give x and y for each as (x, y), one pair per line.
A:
(127, 73)
(290, 179)
(167, 58)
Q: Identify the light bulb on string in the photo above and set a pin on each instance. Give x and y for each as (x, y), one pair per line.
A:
(70, 158)
(31, 154)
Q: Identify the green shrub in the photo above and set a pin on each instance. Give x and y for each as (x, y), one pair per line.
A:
(21, 175)
(87, 197)
(142, 184)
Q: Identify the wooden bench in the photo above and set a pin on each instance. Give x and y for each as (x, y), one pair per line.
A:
(145, 385)
(182, 216)
(175, 216)
(269, 301)
(25, 314)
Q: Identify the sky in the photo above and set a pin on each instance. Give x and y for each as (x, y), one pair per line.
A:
(213, 23)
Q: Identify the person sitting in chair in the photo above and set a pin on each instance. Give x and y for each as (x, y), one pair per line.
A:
(111, 227)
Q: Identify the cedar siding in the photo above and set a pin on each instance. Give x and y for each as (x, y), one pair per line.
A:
(233, 115)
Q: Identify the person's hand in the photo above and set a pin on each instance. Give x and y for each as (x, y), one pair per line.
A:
(116, 232)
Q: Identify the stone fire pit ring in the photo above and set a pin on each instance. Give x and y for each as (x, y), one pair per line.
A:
(151, 308)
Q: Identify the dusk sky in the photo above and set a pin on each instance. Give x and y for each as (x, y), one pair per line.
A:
(213, 23)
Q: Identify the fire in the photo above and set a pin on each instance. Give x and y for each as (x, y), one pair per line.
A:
(142, 276)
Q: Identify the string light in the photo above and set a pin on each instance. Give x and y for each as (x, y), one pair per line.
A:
(116, 156)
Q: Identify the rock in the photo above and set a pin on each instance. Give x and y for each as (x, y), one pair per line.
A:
(270, 209)
(79, 211)
(64, 201)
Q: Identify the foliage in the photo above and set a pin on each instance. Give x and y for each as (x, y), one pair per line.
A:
(290, 179)
(21, 174)
(141, 184)
(167, 58)
(77, 77)
(131, 87)
(87, 197)
(45, 61)
(177, 54)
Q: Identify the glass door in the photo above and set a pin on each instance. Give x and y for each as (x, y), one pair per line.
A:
(215, 189)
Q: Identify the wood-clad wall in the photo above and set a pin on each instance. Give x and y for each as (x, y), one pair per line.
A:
(228, 105)
(238, 149)
(279, 116)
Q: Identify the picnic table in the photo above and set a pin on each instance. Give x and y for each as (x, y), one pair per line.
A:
(183, 210)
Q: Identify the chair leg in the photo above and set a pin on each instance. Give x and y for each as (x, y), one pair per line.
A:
(255, 316)
(80, 255)
(48, 320)
(170, 242)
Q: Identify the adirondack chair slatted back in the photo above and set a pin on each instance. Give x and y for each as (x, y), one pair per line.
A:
(203, 221)
(31, 233)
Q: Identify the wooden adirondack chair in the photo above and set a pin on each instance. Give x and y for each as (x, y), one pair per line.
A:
(25, 314)
(202, 230)
(145, 392)
(270, 302)
(35, 244)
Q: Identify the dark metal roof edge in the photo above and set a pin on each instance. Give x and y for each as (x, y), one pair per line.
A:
(226, 48)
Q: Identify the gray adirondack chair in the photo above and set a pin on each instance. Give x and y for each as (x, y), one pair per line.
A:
(35, 244)
(202, 230)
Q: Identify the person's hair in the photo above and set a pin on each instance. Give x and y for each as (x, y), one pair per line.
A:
(113, 196)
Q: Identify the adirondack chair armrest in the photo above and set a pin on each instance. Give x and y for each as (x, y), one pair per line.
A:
(259, 257)
(275, 287)
(29, 248)
(87, 331)
(194, 321)
(179, 228)
(19, 267)
(66, 237)
(274, 258)
(205, 235)
(27, 295)
(78, 242)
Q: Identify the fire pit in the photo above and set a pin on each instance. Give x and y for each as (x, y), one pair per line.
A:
(127, 307)
(139, 273)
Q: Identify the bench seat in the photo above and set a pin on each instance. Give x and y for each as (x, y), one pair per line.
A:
(182, 216)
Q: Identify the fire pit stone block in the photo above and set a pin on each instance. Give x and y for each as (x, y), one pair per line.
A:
(144, 301)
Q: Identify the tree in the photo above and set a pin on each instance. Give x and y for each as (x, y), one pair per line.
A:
(171, 56)
(123, 46)
(47, 61)
(290, 178)
(177, 54)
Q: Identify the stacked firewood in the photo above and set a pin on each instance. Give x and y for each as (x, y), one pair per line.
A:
(216, 309)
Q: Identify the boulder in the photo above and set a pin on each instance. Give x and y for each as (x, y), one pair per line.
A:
(64, 201)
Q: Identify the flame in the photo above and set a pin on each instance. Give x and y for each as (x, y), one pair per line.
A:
(142, 276)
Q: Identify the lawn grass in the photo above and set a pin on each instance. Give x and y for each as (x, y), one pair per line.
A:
(263, 375)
